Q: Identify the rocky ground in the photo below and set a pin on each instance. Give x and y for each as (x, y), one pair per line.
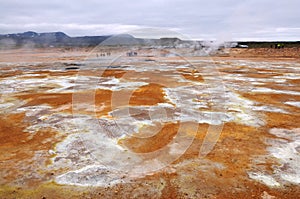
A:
(266, 53)
(75, 124)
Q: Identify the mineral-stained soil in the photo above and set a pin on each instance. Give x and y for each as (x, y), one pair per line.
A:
(133, 127)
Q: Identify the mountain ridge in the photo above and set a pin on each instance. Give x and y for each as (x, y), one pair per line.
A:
(48, 39)
(60, 39)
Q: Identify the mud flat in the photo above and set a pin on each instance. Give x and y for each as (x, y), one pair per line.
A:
(76, 125)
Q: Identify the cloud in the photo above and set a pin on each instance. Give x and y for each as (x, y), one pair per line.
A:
(232, 19)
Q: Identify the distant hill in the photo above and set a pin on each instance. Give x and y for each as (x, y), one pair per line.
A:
(60, 39)
(52, 39)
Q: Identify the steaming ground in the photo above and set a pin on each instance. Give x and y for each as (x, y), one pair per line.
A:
(134, 127)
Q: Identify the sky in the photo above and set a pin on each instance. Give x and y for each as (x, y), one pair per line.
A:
(196, 19)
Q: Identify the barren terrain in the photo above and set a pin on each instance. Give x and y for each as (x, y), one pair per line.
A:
(74, 124)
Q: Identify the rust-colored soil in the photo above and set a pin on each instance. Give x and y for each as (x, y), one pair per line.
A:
(18, 147)
(150, 94)
(27, 144)
(143, 143)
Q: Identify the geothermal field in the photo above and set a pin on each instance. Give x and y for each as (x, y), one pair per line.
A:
(149, 123)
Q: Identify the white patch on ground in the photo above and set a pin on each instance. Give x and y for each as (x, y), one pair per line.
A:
(158, 113)
(5, 106)
(230, 107)
(66, 84)
(90, 141)
(269, 90)
(121, 85)
(188, 100)
(288, 76)
(269, 109)
(241, 109)
(33, 110)
(296, 104)
(252, 80)
(264, 178)
(92, 175)
(165, 105)
(12, 84)
(249, 119)
(287, 150)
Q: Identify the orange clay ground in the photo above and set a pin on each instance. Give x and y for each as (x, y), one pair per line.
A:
(133, 127)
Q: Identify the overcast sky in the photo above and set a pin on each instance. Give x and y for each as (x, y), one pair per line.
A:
(197, 19)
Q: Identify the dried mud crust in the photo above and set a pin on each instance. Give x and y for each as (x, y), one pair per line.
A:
(18, 148)
(26, 155)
